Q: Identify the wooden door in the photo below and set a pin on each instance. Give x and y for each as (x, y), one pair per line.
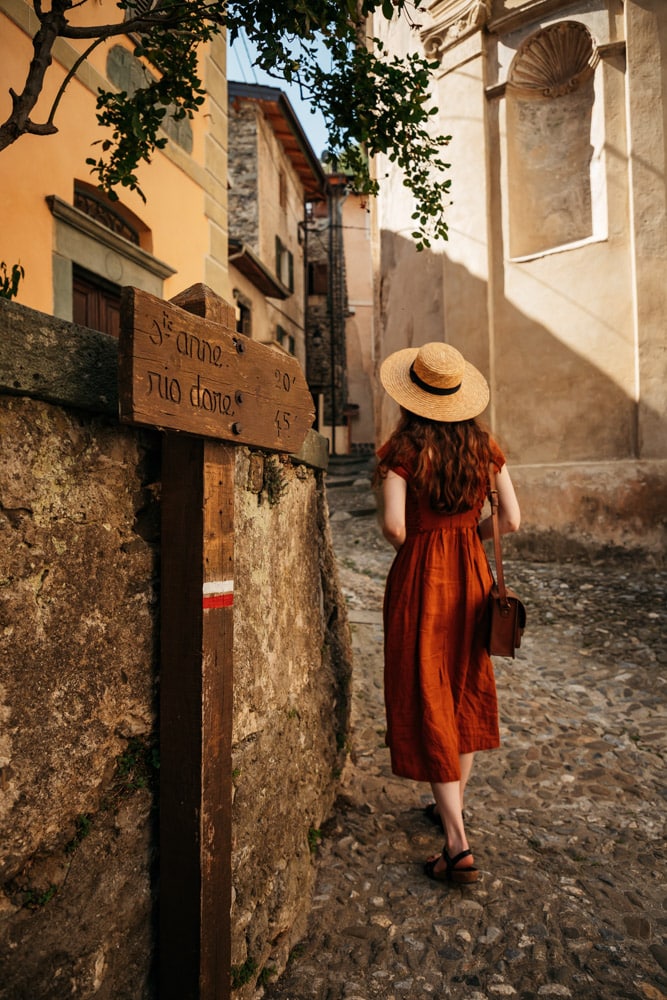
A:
(95, 302)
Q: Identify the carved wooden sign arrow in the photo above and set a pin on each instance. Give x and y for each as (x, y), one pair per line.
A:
(178, 371)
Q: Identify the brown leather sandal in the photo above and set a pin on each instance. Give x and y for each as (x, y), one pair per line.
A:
(450, 873)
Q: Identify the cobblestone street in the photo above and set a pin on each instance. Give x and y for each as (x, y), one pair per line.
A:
(566, 820)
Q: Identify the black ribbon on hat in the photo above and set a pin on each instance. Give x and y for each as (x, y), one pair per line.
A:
(435, 391)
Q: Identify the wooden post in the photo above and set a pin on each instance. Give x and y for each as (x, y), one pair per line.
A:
(196, 719)
(183, 368)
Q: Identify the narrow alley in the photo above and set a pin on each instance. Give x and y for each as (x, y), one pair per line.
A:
(566, 820)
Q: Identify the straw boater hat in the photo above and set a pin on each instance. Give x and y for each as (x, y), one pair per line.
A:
(435, 381)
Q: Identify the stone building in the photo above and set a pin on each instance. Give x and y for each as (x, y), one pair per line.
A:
(553, 278)
(327, 309)
(273, 175)
(340, 316)
(293, 225)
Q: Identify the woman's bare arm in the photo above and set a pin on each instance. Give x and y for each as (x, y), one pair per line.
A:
(509, 514)
(394, 492)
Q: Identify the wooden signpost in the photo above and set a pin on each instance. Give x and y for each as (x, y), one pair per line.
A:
(184, 369)
(180, 372)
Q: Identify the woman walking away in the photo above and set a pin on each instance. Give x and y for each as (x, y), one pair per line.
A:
(440, 692)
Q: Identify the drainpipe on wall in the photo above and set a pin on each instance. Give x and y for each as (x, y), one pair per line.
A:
(336, 189)
(303, 239)
(332, 323)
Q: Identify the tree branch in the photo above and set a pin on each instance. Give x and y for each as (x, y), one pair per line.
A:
(161, 16)
(63, 86)
(19, 122)
(372, 102)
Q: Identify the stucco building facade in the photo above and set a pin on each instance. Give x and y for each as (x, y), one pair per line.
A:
(553, 278)
(77, 247)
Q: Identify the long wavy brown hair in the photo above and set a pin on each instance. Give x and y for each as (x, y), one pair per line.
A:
(450, 460)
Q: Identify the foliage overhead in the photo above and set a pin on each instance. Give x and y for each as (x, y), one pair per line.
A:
(372, 102)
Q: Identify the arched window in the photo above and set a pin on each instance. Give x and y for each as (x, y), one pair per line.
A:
(113, 215)
(550, 139)
(99, 246)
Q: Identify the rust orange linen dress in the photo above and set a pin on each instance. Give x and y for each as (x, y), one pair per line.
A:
(440, 692)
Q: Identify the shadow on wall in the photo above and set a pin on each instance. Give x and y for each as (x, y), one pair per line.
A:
(570, 431)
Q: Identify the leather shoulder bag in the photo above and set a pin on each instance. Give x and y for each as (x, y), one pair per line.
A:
(507, 615)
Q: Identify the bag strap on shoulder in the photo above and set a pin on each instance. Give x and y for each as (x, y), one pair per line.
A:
(497, 552)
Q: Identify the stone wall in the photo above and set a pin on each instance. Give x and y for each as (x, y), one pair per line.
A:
(79, 667)
(290, 710)
(243, 175)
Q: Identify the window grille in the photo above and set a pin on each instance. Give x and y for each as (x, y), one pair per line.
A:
(97, 208)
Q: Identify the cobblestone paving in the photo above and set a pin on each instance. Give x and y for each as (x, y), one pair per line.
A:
(566, 820)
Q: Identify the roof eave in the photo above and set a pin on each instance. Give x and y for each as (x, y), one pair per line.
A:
(246, 261)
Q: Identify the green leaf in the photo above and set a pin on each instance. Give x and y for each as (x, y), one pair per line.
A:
(374, 101)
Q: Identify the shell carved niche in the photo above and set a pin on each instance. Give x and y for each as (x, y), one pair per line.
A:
(554, 61)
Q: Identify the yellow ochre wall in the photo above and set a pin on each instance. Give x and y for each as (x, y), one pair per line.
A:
(185, 208)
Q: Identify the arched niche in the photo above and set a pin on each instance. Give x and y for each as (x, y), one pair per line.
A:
(550, 114)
